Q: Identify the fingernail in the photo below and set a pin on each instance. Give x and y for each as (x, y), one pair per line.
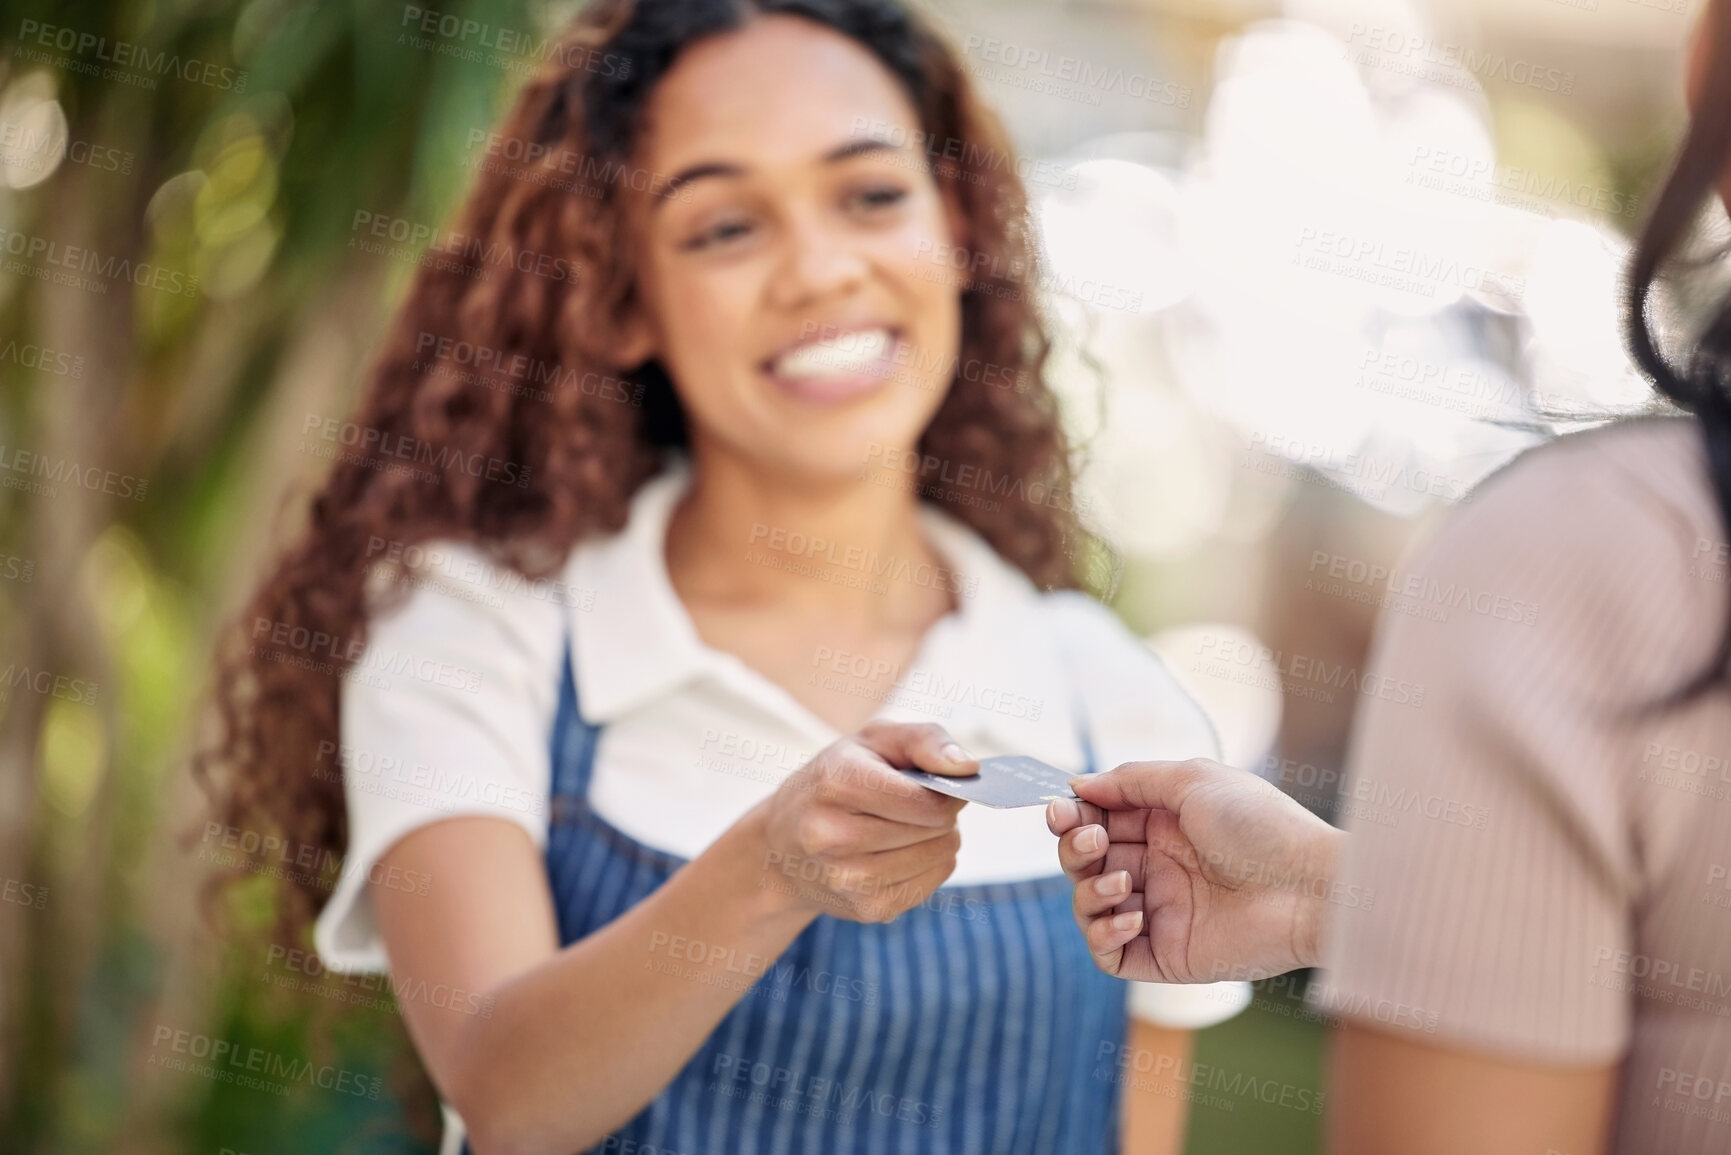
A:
(1130, 921)
(1091, 839)
(954, 753)
(1115, 883)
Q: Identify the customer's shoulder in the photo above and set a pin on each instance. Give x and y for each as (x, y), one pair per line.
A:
(1635, 484)
(1613, 536)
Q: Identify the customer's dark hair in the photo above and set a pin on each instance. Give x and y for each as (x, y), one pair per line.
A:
(1697, 377)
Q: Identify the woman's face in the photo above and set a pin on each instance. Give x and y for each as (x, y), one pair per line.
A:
(790, 275)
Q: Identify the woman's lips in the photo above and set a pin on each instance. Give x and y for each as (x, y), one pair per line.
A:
(837, 368)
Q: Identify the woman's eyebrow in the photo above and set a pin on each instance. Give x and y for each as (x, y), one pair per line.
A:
(717, 168)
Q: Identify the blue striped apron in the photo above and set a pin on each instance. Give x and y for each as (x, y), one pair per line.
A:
(974, 1022)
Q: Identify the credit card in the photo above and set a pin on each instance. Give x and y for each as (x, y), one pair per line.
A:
(1003, 783)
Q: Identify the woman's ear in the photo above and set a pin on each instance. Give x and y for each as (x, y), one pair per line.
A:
(633, 340)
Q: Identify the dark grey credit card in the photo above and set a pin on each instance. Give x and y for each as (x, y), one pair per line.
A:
(1003, 783)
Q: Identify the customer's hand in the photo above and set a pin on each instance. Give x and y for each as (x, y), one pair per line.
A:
(848, 835)
(1191, 872)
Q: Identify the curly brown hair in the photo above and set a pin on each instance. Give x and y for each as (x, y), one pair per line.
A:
(523, 474)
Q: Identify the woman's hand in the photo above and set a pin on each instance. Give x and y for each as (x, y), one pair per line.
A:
(1192, 872)
(848, 835)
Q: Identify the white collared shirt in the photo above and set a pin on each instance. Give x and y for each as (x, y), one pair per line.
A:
(450, 709)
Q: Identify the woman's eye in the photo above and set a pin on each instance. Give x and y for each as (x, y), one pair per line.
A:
(718, 234)
(878, 197)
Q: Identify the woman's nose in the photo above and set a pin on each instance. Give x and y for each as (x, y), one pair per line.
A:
(823, 259)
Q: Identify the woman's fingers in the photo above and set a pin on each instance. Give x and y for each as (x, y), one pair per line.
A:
(894, 868)
(857, 779)
(1109, 935)
(1082, 852)
(872, 834)
(1147, 785)
(1065, 814)
(1087, 850)
(925, 745)
(1100, 894)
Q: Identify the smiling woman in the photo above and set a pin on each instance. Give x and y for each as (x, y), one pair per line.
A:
(658, 825)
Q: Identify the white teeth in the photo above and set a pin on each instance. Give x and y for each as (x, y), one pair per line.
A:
(845, 355)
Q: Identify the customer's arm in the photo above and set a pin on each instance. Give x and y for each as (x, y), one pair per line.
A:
(1394, 1095)
(1494, 810)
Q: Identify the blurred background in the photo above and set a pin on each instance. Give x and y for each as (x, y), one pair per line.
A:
(1318, 268)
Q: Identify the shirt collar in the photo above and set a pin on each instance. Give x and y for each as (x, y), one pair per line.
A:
(1002, 682)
